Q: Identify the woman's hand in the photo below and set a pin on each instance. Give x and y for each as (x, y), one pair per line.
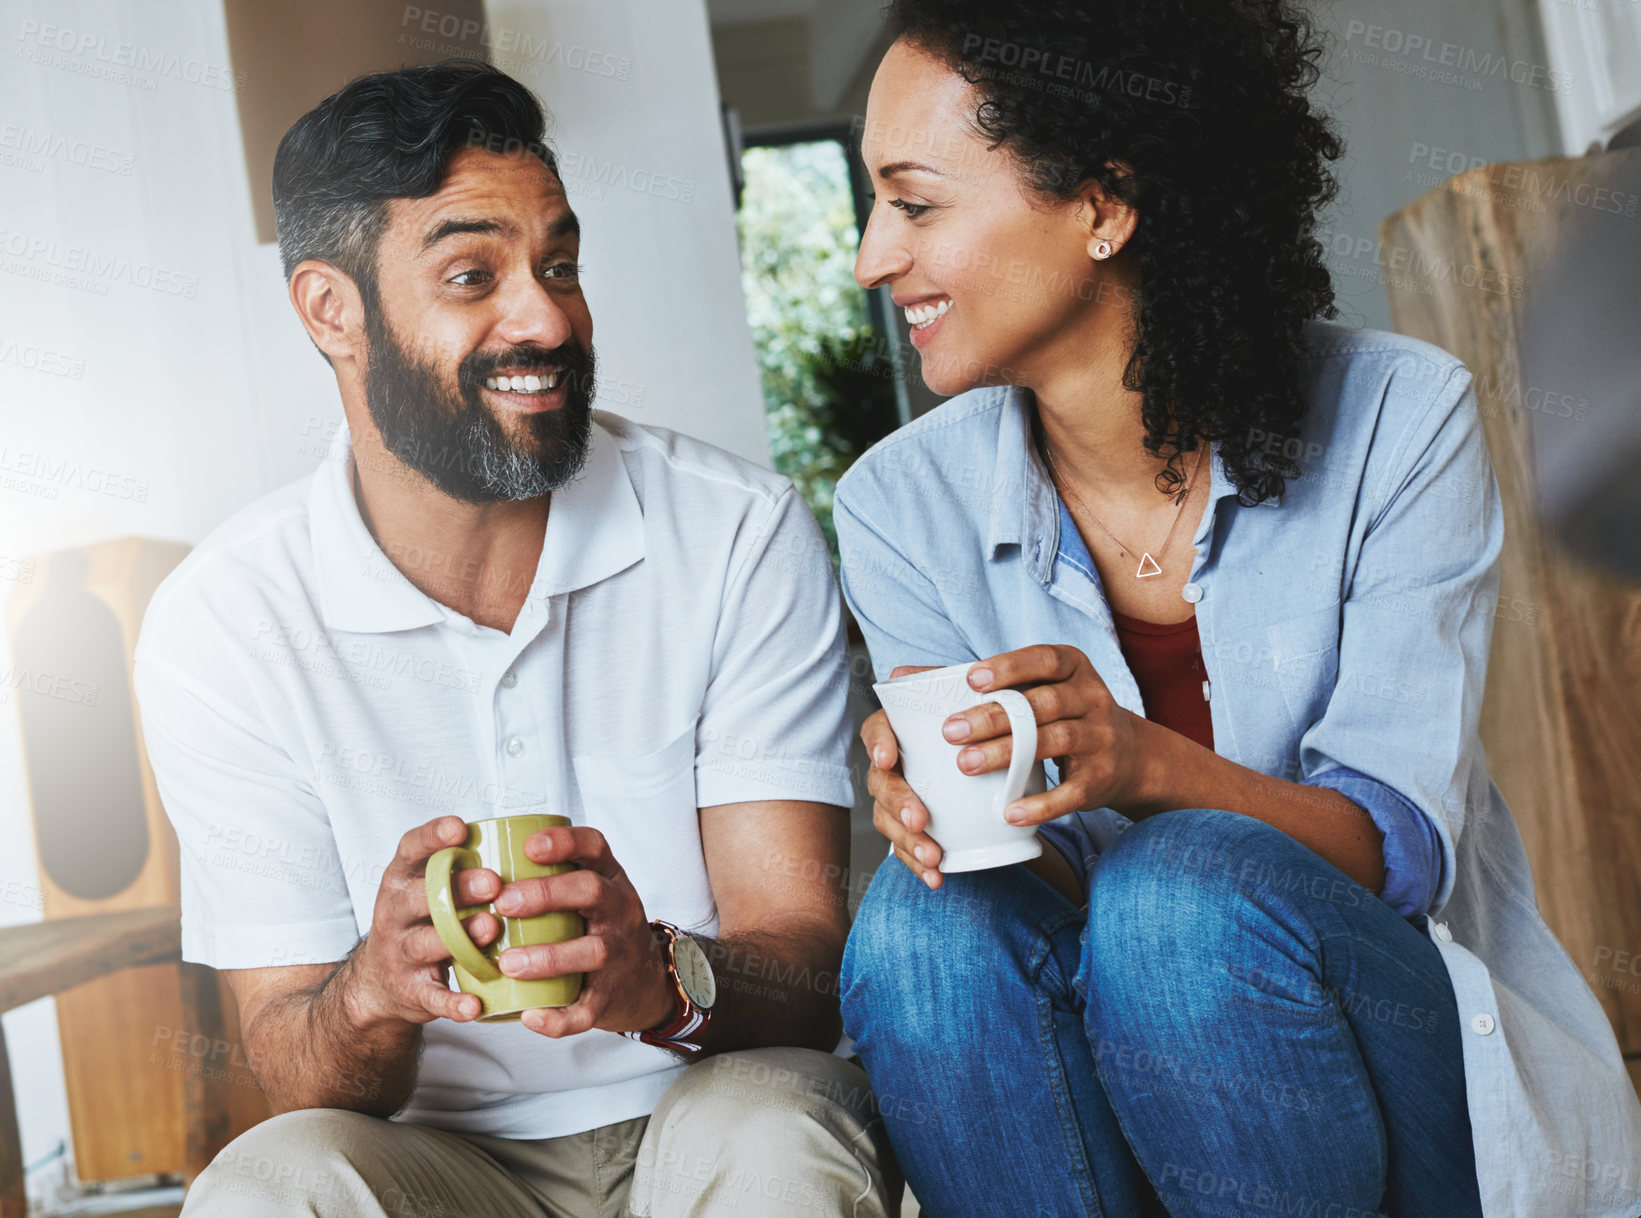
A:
(897, 812)
(1097, 745)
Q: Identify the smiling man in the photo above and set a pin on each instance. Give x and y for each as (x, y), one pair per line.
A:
(495, 599)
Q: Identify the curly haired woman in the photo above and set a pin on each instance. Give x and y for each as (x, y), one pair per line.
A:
(1283, 954)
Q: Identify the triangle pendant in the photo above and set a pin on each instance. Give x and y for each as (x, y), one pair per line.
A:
(1145, 562)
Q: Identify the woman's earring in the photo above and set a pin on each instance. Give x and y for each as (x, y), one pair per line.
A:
(1102, 249)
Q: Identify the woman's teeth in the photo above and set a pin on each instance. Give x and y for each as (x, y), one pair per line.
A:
(523, 384)
(918, 316)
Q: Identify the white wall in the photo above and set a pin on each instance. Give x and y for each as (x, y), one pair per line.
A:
(159, 411)
(1422, 92)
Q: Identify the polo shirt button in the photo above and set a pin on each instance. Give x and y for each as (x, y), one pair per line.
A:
(515, 747)
(509, 679)
(1192, 592)
(1442, 933)
(1482, 1024)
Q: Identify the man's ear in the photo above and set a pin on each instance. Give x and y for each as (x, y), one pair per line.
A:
(1103, 217)
(330, 308)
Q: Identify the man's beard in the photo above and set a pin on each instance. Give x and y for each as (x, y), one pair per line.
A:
(455, 442)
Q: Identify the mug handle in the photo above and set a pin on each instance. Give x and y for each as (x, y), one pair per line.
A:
(441, 903)
(1023, 753)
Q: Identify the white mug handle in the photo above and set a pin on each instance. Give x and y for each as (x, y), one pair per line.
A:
(1023, 754)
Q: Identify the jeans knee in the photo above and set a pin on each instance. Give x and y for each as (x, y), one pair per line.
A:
(913, 949)
(1183, 891)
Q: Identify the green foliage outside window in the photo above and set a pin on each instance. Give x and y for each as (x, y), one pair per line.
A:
(826, 388)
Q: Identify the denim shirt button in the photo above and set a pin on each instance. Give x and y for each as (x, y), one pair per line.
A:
(1442, 933)
(1482, 1024)
(1192, 592)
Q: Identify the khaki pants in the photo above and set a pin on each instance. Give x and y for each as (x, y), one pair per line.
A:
(758, 1132)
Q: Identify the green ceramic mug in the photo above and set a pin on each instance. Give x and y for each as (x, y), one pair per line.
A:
(498, 843)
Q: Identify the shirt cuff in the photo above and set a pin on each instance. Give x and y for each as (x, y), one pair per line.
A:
(1412, 848)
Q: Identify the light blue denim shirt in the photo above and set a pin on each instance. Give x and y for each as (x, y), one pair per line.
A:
(1412, 847)
(1345, 626)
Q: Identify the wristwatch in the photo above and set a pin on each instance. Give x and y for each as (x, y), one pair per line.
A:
(692, 982)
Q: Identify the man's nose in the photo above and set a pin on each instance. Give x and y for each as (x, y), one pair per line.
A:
(881, 258)
(533, 313)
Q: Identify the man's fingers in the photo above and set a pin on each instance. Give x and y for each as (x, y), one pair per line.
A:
(536, 961)
(578, 1017)
(423, 945)
(906, 670)
(580, 890)
(443, 1003)
(416, 846)
(573, 844)
(475, 886)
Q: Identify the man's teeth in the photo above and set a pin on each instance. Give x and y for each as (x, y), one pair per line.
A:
(923, 315)
(523, 384)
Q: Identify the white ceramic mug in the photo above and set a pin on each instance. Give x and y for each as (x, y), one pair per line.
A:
(965, 810)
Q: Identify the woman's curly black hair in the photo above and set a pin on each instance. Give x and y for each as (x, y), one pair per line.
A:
(1195, 112)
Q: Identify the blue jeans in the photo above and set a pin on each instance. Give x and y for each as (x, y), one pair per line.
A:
(1232, 1027)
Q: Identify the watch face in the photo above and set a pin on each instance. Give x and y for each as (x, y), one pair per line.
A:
(694, 972)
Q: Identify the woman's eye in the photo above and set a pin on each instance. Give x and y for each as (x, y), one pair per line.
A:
(469, 279)
(912, 210)
(564, 272)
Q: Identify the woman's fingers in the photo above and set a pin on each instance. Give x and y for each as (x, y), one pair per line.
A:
(912, 845)
(1050, 805)
(928, 875)
(880, 742)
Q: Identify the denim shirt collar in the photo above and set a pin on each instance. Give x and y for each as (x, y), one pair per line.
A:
(1025, 507)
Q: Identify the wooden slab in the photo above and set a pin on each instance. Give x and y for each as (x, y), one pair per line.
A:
(1559, 723)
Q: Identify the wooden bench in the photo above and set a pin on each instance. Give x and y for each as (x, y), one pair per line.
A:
(47, 958)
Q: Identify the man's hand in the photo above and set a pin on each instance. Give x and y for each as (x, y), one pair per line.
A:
(398, 973)
(897, 813)
(625, 986)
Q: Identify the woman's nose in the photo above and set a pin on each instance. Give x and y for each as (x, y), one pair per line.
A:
(881, 258)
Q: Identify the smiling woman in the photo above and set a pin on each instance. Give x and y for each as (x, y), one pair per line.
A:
(1284, 954)
(1215, 153)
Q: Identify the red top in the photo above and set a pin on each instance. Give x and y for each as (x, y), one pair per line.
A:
(1166, 661)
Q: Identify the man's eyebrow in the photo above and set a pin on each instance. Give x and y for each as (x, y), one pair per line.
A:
(889, 171)
(567, 225)
(454, 228)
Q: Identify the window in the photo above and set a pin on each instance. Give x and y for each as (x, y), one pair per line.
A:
(829, 384)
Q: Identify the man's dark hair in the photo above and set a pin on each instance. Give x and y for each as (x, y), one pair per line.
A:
(390, 135)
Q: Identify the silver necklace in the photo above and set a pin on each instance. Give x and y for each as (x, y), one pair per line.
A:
(1148, 565)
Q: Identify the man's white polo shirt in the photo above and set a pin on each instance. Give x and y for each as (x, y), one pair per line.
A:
(304, 705)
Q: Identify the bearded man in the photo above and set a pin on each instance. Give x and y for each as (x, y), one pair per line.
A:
(493, 600)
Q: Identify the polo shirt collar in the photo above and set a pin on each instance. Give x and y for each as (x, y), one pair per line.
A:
(1025, 507)
(595, 528)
